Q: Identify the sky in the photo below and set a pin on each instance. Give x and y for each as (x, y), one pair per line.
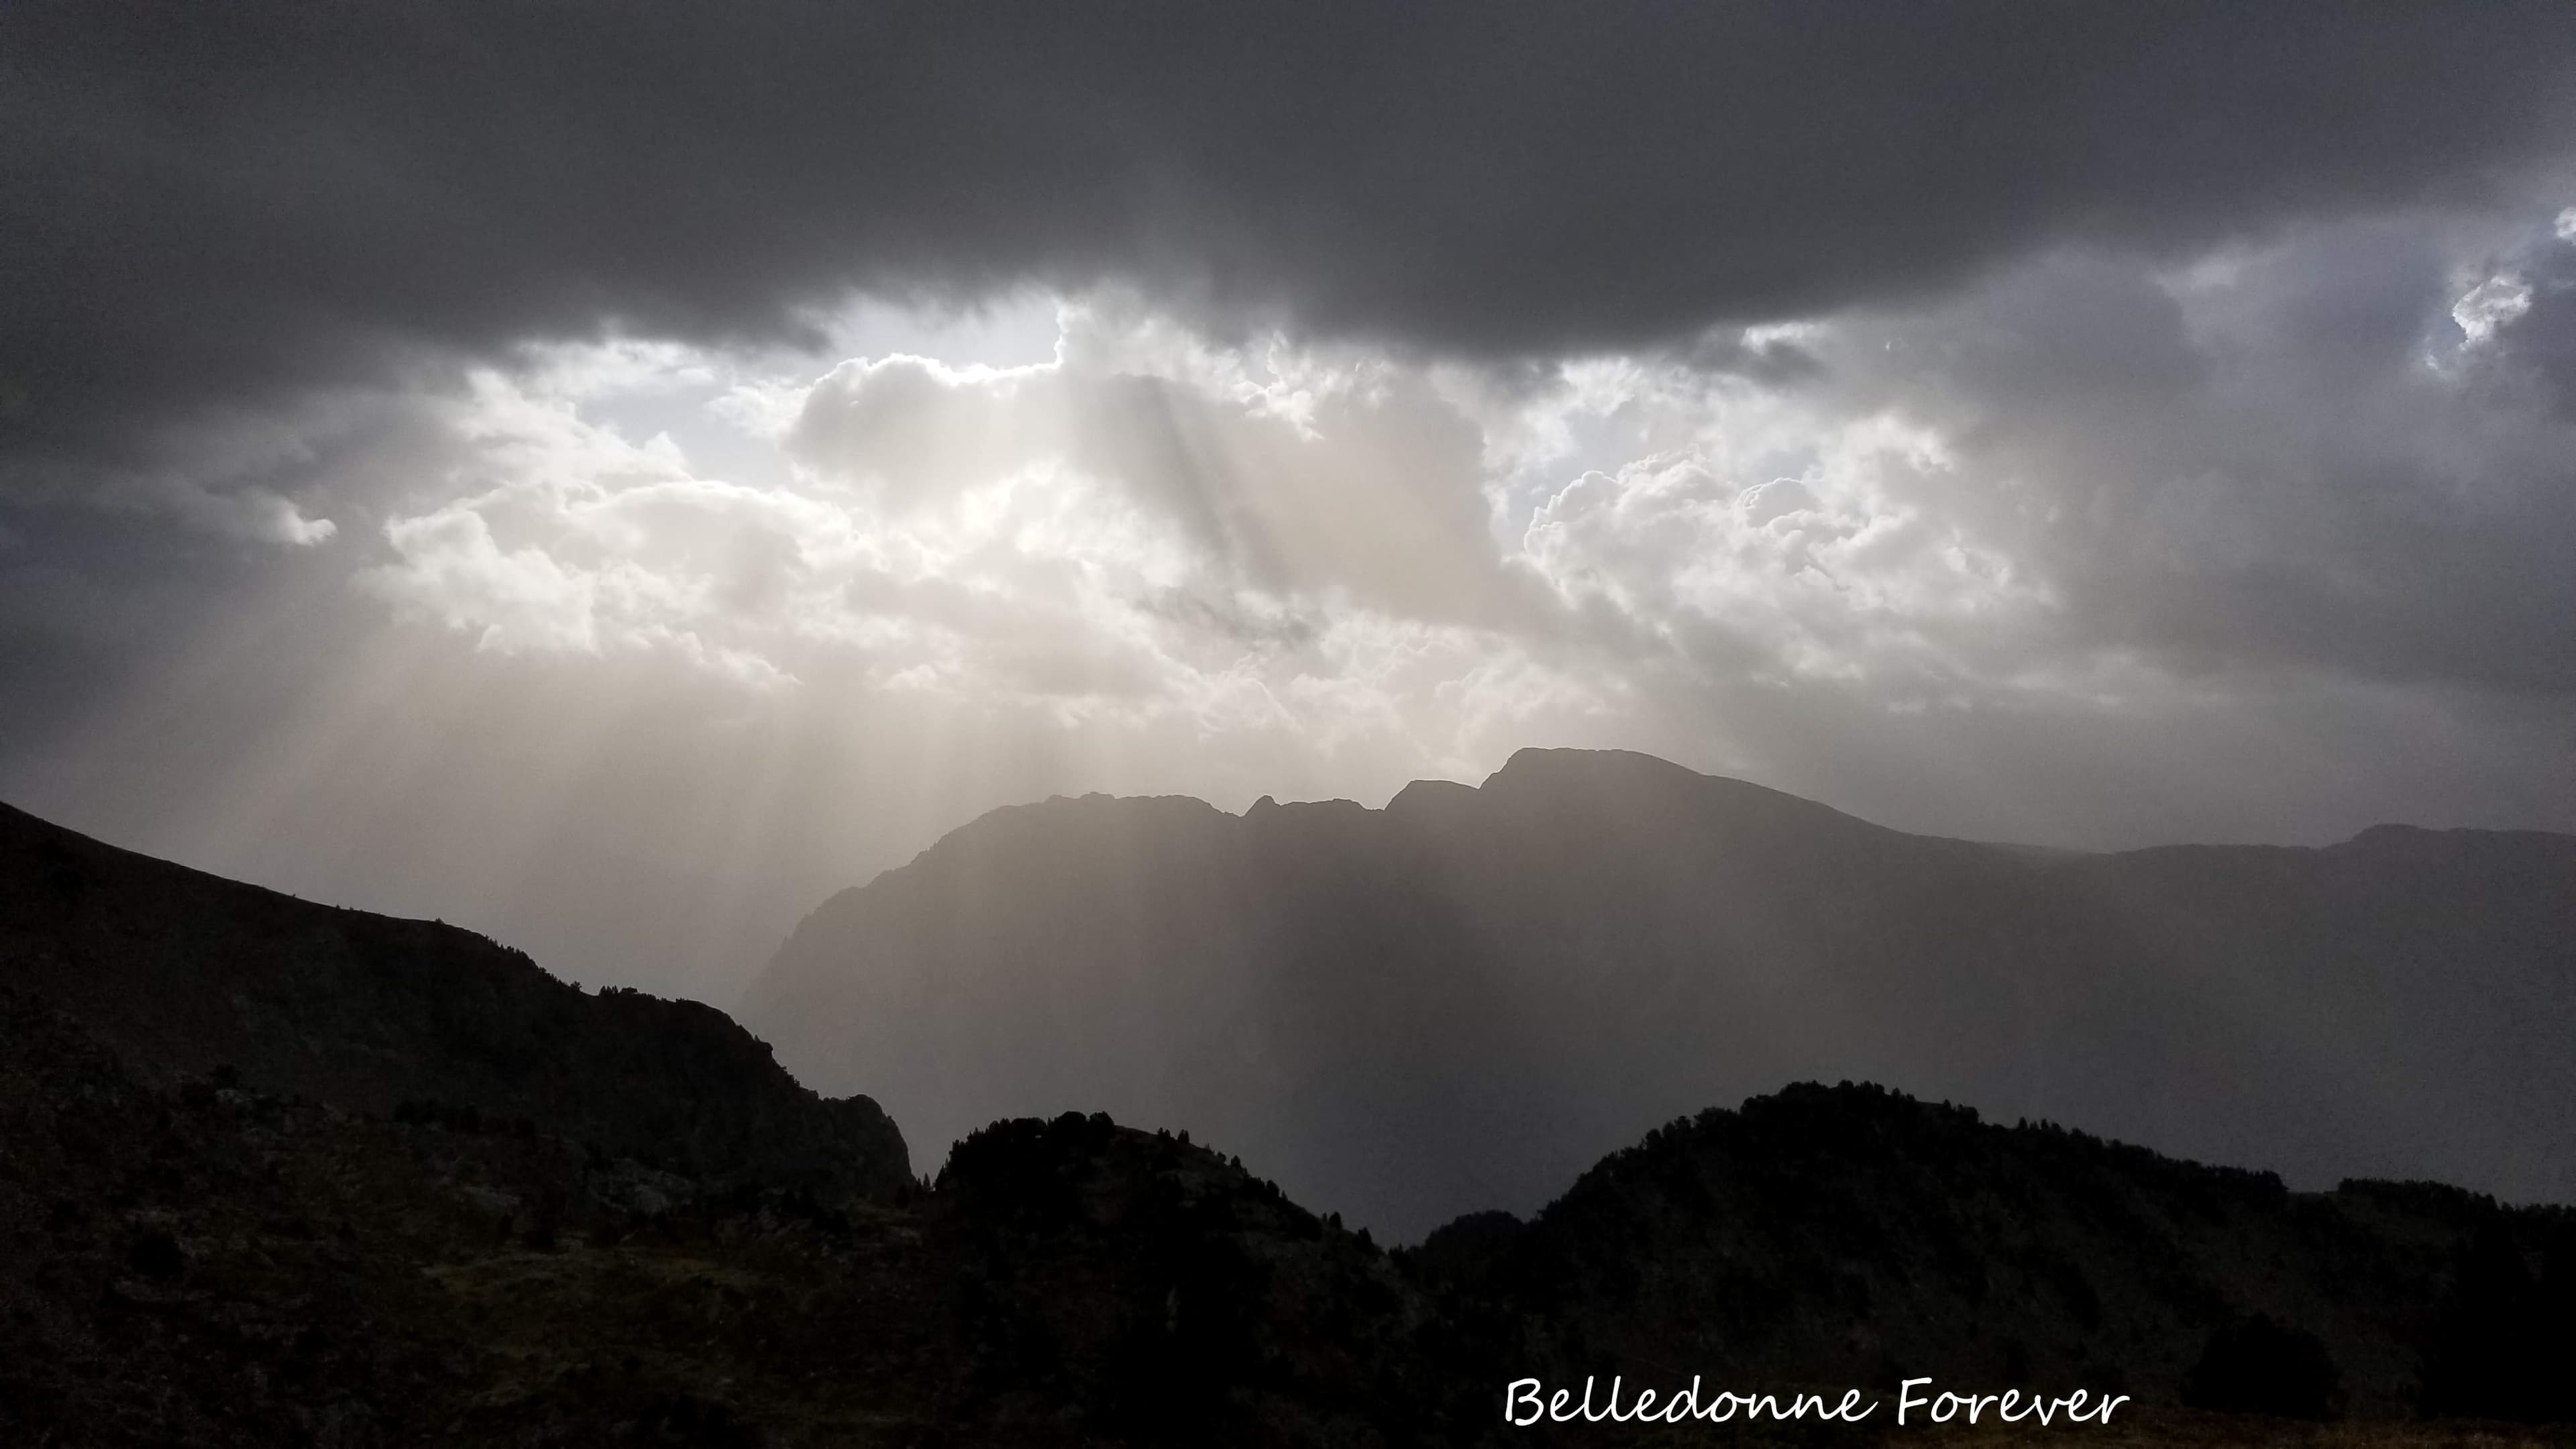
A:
(610, 475)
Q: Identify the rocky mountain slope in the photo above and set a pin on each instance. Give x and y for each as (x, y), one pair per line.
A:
(1461, 1000)
(187, 974)
(197, 1264)
(204, 1265)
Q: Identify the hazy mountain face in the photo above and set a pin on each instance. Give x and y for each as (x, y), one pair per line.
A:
(1459, 1001)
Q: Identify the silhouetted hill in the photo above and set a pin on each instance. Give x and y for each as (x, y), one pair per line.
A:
(1854, 1235)
(203, 1265)
(1459, 1001)
(185, 973)
(196, 1264)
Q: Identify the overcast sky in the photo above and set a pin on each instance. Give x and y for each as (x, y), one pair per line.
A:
(611, 474)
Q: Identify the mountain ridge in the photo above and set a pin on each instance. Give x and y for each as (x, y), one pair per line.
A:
(1599, 927)
(188, 973)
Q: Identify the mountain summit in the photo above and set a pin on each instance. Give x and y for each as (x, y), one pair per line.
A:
(1460, 1000)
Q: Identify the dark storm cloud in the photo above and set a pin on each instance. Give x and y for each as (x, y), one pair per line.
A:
(2303, 460)
(219, 204)
(2535, 351)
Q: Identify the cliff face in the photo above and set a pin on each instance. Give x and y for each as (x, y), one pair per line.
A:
(183, 973)
(1460, 1001)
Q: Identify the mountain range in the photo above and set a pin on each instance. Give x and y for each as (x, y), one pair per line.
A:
(1460, 1001)
(274, 1172)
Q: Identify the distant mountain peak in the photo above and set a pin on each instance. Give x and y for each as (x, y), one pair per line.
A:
(1550, 760)
(1632, 772)
(1430, 795)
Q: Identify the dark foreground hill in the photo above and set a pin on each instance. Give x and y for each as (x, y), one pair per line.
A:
(202, 1265)
(1854, 1235)
(205, 1265)
(186, 973)
(1462, 999)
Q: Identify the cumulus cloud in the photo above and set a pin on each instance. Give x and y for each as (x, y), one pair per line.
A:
(2088, 479)
(1309, 550)
(1362, 480)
